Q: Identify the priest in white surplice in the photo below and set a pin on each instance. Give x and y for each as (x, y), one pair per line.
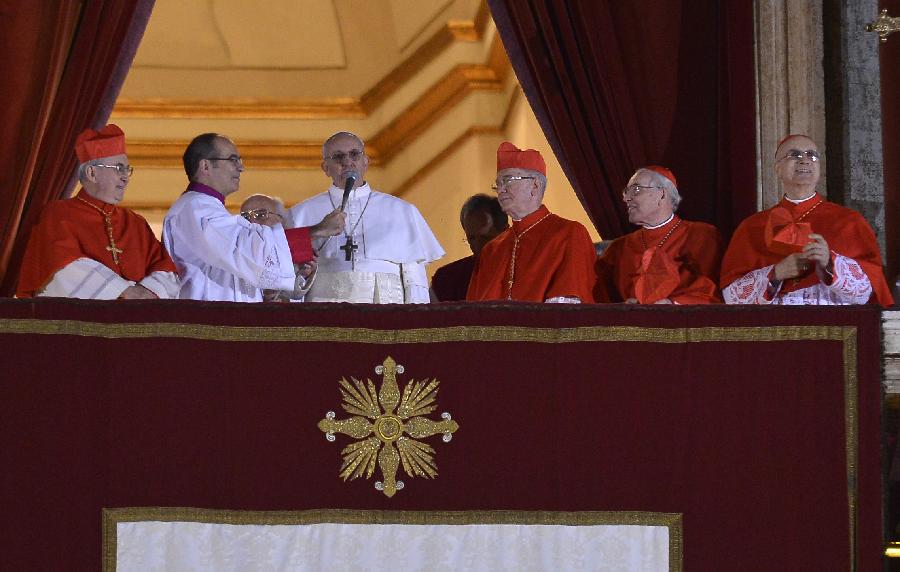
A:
(381, 255)
(221, 256)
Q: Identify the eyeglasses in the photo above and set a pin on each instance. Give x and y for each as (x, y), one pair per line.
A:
(353, 155)
(257, 215)
(797, 155)
(504, 181)
(632, 191)
(236, 160)
(120, 168)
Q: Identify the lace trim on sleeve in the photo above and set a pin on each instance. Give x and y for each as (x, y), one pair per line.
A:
(850, 284)
(749, 288)
(270, 278)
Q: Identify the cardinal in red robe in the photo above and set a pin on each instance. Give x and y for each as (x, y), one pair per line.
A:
(542, 257)
(88, 246)
(804, 250)
(669, 260)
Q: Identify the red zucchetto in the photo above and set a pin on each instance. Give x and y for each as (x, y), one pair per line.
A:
(91, 144)
(664, 172)
(511, 157)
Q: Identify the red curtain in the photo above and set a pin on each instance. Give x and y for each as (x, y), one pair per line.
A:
(618, 85)
(66, 63)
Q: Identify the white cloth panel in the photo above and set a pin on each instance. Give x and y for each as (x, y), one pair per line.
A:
(177, 546)
(164, 284)
(356, 287)
(87, 279)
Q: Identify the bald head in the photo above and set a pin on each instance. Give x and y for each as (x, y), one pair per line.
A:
(798, 167)
(265, 210)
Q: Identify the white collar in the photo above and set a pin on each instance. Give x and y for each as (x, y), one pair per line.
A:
(360, 191)
(664, 223)
(798, 201)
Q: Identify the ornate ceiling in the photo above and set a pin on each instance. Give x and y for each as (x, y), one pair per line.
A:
(426, 83)
(280, 76)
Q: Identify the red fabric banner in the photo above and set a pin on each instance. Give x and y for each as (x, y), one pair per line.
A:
(760, 425)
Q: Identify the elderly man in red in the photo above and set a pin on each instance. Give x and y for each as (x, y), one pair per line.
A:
(542, 257)
(804, 250)
(87, 246)
(669, 260)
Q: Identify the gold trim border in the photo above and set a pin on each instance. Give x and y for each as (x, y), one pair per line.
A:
(429, 335)
(845, 334)
(113, 516)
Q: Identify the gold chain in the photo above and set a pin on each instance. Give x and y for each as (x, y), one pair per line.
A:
(107, 222)
(803, 216)
(512, 263)
(665, 238)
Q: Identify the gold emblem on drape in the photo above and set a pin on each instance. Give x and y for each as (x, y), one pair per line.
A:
(388, 427)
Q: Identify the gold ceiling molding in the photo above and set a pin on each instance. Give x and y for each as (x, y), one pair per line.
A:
(256, 154)
(323, 108)
(446, 152)
(401, 190)
(239, 108)
(381, 148)
(437, 101)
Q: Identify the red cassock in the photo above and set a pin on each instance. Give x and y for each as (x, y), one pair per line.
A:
(845, 230)
(70, 229)
(555, 257)
(692, 253)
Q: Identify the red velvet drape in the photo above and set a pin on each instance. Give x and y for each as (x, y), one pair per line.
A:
(760, 425)
(66, 62)
(618, 85)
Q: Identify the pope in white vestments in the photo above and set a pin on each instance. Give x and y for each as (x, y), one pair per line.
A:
(381, 255)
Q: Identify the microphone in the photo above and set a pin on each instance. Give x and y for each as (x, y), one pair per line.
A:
(352, 176)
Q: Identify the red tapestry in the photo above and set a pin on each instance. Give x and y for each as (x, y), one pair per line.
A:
(759, 425)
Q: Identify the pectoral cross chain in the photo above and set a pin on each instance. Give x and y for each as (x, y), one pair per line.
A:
(107, 223)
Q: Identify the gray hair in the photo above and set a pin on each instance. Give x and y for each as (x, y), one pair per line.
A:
(542, 180)
(665, 183)
(331, 139)
(82, 169)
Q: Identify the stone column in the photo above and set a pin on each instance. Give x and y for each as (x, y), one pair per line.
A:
(790, 84)
(853, 91)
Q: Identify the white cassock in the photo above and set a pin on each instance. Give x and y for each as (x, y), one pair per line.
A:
(221, 256)
(393, 243)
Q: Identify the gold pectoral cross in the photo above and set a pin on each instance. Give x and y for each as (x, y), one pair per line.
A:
(115, 251)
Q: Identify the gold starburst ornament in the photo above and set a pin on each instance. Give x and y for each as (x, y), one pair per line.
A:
(388, 427)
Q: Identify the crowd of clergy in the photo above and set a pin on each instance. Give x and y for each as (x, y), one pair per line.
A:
(352, 243)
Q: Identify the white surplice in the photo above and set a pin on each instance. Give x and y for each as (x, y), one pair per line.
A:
(221, 256)
(394, 245)
(86, 278)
